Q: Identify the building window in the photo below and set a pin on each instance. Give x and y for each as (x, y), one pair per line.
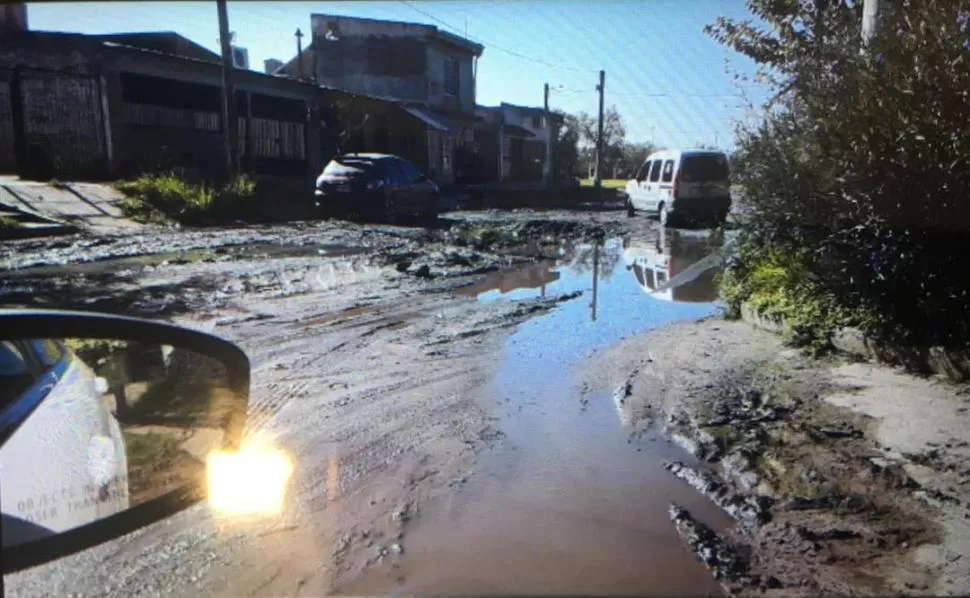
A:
(449, 77)
(537, 122)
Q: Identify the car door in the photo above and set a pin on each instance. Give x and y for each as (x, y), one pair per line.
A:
(84, 476)
(416, 190)
(401, 185)
(638, 191)
(425, 191)
(665, 190)
(652, 194)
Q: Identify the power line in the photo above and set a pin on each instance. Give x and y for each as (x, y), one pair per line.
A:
(656, 95)
(499, 48)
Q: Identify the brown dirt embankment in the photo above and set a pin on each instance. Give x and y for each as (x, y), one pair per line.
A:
(845, 478)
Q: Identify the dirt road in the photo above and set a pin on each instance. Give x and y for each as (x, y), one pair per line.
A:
(373, 365)
(501, 403)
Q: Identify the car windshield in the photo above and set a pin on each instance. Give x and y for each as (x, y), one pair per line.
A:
(632, 297)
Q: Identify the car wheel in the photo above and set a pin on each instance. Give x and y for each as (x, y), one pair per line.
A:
(630, 210)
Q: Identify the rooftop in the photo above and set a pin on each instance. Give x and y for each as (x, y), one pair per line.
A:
(444, 36)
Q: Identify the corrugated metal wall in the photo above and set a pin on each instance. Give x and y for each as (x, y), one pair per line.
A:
(8, 153)
(63, 124)
(277, 139)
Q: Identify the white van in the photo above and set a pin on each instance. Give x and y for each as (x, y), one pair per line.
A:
(681, 185)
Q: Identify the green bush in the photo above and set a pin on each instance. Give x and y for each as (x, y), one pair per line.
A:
(171, 197)
(7, 223)
(857, 177)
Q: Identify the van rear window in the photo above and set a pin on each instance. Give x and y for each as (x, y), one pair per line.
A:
(704, 168)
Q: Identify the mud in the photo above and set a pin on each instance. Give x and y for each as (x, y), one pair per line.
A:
(521, 402)
(822, 505)
(370, 369)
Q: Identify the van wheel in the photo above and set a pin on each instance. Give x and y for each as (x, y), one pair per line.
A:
(630, 210)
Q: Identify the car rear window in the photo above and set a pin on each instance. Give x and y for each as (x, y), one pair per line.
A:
(704, 167)
(351, 168)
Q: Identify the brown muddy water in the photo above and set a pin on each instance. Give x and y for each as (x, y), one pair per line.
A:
(572, 501)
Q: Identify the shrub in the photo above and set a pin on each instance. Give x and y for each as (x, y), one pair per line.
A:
(857, 177)
(169, 196)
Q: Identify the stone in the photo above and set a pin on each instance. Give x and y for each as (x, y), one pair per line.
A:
(851, 341)
(397, 549)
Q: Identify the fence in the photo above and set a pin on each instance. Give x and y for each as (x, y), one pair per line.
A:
(54, 121)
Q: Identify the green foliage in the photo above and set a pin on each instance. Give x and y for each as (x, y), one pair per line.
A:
(150, 449)
(780, 284)
(7, 223)
(860, 169)
(171, 197)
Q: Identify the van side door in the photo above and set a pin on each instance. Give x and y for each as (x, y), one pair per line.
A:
(638, 196)
(653, 185)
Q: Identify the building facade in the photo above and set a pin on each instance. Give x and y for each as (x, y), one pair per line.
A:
(429, 73)
(520, 141)
(86, 107)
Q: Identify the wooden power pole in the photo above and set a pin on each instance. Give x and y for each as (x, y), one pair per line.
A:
(599, 134)
(230, 124)
(547, 175)
(299, 53)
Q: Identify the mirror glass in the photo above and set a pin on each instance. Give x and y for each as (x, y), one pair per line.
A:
(103, 426)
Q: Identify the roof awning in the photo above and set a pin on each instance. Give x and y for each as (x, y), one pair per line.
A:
(426, 118)
(517, 131)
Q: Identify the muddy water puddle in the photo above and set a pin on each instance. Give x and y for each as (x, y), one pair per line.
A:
(572, 501)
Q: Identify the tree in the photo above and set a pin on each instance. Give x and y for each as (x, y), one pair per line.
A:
(614, 133)
(566, 150)
(634, 155)
(860, 169)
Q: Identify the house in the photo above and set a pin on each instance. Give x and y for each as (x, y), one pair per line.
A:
(428, 73)
(106, 106)
(518, 141)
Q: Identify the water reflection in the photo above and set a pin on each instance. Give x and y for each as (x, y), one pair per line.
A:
(675, 267)
(502, 282)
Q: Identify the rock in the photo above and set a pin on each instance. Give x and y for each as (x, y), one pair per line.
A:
(771, 582)
(397, 549)
(707, 483)
(401, 514)
(710, 549)
(424, 271)
(851, 341)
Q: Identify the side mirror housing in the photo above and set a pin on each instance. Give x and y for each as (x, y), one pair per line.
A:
(115, 432)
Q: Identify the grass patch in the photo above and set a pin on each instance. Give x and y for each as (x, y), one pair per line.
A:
(164, 198)
(607, 183)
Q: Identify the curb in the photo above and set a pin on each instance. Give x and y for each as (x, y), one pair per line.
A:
(952, 364)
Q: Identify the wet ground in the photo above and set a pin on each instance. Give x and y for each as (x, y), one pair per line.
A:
(422, 380)
(573, 500)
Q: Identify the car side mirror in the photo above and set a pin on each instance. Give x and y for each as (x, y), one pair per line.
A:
(108, 424)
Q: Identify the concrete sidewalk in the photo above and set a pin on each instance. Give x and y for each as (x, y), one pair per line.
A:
(88, 207)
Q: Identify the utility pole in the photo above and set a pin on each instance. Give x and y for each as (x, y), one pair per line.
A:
(547, 175)
(599, 135)
(230, 124)
(299, 53)
(870, 19)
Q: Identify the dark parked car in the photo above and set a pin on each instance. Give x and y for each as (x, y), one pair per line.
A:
(374, 186)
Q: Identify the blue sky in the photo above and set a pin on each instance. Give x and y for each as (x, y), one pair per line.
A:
(669, 81)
